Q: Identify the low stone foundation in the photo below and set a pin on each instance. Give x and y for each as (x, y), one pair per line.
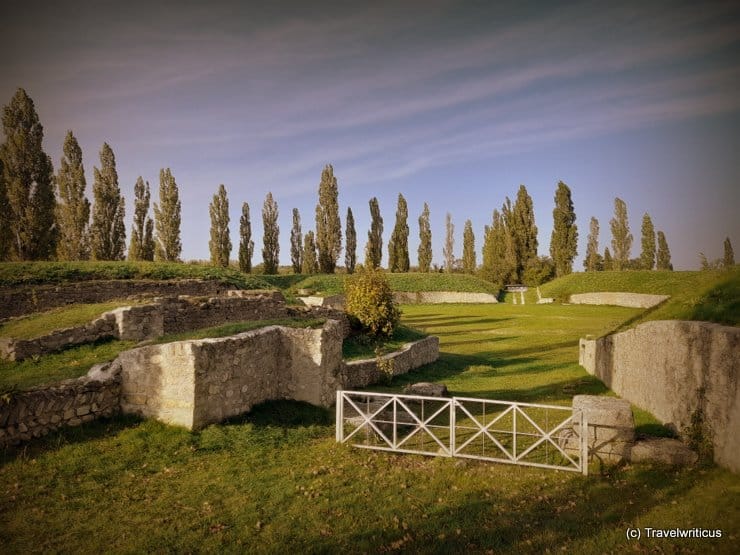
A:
(38, 411)
(361, 373)
(630, 300)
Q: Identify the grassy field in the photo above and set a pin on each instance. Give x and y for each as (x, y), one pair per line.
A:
(275, 481)
(407, 282)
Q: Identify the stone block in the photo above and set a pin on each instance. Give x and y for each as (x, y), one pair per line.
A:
(611, 427)
(427, 389)
(663, 450)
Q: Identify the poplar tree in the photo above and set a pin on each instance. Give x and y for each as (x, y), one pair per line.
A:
(310, 264)
(141, 246)
(425, 240)
(499, 258)
(350, 251)
(270, 236)
(374, 247)
(296, 242)
(468, 260)
(608, 260)
(564, 239)
(220, 243)
(107, 232)
(328, 226)
(647, 256)
(520, 222)
(448, 251)
(73, 208)
(621, 236)
(246, 245)
(664, 253)
(29, 229)
(398, 246)
(167, 216)
(728, 261)
(591, 262)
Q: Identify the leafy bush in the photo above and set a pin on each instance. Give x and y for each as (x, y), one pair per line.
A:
(370, 301)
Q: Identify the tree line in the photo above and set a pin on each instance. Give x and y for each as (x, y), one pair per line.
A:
(48, 216)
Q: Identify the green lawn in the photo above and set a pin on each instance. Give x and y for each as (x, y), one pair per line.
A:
(275, 481)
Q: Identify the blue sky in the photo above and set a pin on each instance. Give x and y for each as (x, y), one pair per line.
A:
(454, 103)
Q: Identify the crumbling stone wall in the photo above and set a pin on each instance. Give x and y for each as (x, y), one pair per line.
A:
(26, 299)
(672, 368)
(38, 411)
(361, 373)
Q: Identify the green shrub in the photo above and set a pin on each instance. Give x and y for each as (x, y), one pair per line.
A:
(370, 301)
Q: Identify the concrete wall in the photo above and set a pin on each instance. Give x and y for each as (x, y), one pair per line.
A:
(26, 299)
(38, 411)
(663, 366)
(632, 300)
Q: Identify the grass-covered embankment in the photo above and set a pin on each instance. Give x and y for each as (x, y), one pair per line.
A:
(411, 282)
(14, 274)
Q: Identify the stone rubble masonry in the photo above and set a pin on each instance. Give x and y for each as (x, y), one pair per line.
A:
(361, 373)
(38, 411)
(671, 368)
(168, 315)
(442, 297)
(631, 300)
(26, 299)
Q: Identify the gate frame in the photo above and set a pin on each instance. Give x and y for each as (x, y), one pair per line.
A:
(451, 450)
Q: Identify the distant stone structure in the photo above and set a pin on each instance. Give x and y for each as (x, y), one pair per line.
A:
(630, 300)
(672, 369)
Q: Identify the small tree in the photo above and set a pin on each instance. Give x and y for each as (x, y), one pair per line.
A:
(246, 245)
(608, 263)
(220, 243)
(538, 271)
(73, 208)
(564, 239)
(664, 254)
(468, 260)
(270, 237)
(296, 242)
(350, 251)
(167, 216)
(728, 261)
(374, 247)
(591, 262)
(521, 225)
(328, 226)
(448, 251)
(425, 240)
(499, 259)
(142, 241)
(647, 256)
(310, 263)
(107, 233)
(370, 300)
(621, 236)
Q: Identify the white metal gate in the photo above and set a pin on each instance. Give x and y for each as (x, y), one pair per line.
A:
(546, 436)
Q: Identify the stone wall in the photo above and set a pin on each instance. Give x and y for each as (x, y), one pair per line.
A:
(140, 322)
(441, 297)
(671, 368)
(38, 411)
(631, 300)
(196, 383)
(361, 373)
(26, 299)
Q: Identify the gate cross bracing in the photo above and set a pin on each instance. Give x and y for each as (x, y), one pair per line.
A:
(545, 436)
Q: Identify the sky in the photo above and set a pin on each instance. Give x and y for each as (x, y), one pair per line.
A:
(454, 103)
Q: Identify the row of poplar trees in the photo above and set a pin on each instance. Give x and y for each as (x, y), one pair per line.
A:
(47, 215)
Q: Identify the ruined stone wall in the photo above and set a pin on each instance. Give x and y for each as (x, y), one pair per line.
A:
(26, 299)
(630, 300)
(361, 373)
(441, 297)
(38, 411)
(671, 368)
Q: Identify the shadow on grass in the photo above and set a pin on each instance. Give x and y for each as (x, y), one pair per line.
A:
(452, 321)
(285, 414)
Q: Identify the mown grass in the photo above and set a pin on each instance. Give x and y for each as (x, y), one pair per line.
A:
(712, 296)
(42, 323)
(275, 480)
(40, 273)
(362, 346)
(408, 282)
(49, 369)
